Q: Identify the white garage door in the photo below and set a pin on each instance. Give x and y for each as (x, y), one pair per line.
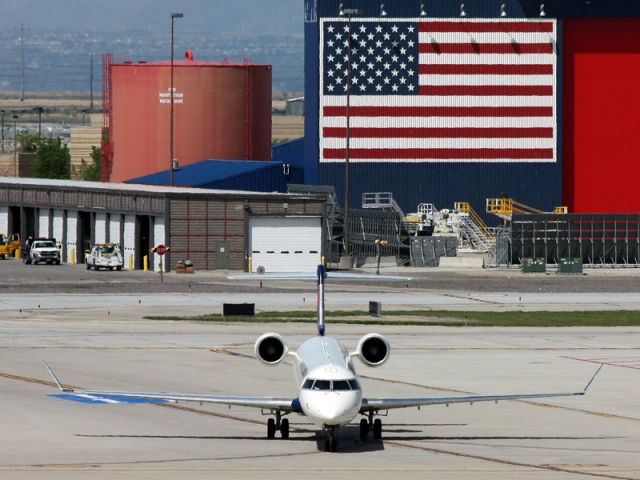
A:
(43, 222)
(58, 225)
(158, 239)
(114, 228)
(285, 244)
(72, 232)
(129, 240)
(4, 220)
(101, 227)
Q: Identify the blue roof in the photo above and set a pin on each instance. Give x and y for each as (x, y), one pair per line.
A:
(205, 172)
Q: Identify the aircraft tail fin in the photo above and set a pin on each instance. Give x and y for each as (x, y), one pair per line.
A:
(320, 276)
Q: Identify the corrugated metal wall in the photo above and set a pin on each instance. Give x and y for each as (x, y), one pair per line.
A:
(539, 185)
(263, 180)
(198, 226)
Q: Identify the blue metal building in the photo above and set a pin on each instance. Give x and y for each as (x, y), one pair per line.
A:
(445, 180)
(247, 175)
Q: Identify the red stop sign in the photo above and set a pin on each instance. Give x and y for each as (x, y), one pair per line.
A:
(161, 249)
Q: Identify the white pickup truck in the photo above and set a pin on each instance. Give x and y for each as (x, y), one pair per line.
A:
(105, 255)
(42, 251)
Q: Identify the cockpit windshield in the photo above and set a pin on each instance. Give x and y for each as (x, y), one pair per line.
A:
(331, 385)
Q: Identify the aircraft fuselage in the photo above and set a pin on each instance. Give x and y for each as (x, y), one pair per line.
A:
(330, 394)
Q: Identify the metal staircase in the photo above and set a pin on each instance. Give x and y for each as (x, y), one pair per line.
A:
(473, 234)
(473, 229)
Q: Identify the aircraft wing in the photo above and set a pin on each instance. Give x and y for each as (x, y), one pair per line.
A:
(108, 396)
(375, 404)
(267, 403)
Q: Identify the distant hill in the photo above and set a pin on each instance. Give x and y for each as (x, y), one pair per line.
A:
(234, 16)
(60, 37)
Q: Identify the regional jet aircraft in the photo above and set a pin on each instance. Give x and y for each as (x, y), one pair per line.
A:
(328, 391)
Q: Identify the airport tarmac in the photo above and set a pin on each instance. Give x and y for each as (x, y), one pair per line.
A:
(43, 437)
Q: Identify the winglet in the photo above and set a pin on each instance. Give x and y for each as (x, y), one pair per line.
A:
(55, 379)
(592, 379)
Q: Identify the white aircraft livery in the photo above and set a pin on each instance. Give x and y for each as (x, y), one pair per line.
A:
(329, 393)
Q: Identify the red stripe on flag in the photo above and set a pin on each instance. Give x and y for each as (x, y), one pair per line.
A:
(486, 69)
(480, 48)
(440, 153)
(358, 132)
(482, 27)
(335, 111)
(488, 90)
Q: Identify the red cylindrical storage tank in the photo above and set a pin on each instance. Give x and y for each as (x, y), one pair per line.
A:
(221, 111)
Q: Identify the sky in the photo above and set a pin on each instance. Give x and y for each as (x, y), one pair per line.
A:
(233, 16)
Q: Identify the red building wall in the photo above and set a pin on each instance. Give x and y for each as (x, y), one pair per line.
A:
(601, 108)
(221, 111)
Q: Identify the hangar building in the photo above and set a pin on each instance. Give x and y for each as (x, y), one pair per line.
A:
(215, 229)
(463, 101)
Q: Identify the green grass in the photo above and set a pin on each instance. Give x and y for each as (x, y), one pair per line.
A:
(604, 318)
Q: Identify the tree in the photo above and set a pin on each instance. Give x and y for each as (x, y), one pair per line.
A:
(91, 171)
(52, 159)
(28, 141)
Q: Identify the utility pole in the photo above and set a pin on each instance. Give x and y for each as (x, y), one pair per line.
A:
(22, 59)
(91, 84)
(2, 146)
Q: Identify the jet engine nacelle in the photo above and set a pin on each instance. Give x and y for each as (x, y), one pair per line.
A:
(373, 350)
(271, 348)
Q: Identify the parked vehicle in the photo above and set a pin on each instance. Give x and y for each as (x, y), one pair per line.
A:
(9, 245)
(105, 255)
(41, 250)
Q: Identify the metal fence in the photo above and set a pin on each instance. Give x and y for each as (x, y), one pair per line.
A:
(597, 239)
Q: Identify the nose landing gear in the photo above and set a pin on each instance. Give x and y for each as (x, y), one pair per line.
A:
(331, 442)
(278, 423)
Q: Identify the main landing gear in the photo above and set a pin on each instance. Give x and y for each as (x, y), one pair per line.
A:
(374, 425)
(278, 423)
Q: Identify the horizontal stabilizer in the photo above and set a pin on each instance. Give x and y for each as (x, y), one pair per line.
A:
(314, 276)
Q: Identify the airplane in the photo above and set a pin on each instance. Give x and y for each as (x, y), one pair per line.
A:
(328, 391)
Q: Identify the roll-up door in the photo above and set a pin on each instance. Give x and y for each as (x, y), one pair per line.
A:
(129, 250)
(4, 220)
(285, 244)
(43, 223)
(100, 228)
(58, 225)
(114, 227)
(158, 239)
(72, 235)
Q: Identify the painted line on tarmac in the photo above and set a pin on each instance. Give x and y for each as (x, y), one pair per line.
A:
(550, 468)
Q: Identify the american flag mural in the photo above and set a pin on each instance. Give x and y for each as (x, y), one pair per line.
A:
(438, 90)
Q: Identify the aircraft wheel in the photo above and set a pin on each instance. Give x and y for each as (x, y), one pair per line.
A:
(284, 428)
(271, 428)
(364, 430)
(377, 429)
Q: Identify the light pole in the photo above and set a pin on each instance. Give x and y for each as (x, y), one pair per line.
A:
(2, 146)
(15, 144)
(348, 12)
(173, 17)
